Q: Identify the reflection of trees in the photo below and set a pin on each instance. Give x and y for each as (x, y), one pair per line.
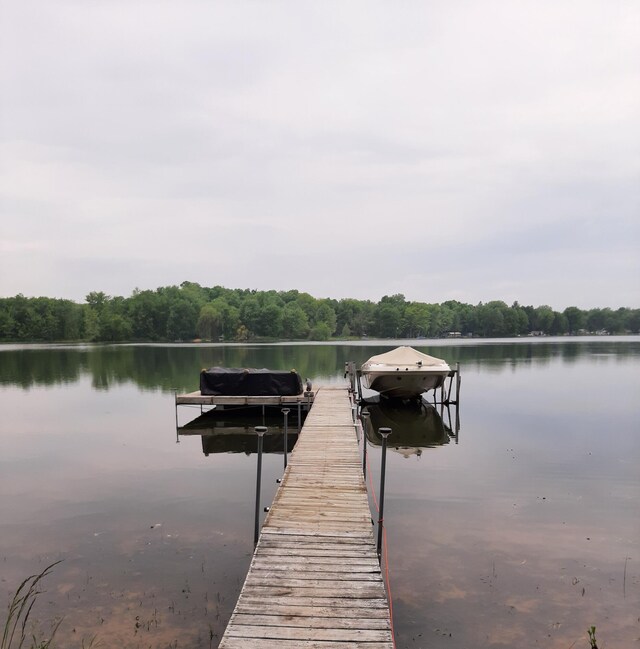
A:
(166, 367)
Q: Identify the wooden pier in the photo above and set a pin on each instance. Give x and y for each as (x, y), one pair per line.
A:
(315, 580)
(198, 399)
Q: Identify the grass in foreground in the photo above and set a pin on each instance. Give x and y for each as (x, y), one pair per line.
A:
(16, 630)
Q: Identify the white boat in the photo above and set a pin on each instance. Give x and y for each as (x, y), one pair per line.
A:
(403, 373)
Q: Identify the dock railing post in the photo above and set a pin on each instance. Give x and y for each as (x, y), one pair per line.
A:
(285, 412)
(457, 384)
(384, 432)
(260, 431)
(175, 402)
(364, 416)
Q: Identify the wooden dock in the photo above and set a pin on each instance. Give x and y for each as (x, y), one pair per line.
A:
(315, 580)
(198, 399)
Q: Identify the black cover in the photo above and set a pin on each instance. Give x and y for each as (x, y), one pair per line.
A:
(233, 381)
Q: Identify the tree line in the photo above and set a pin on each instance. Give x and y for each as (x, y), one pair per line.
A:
(191, 311)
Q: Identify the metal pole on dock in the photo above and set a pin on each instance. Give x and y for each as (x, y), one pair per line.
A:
(175, 402)
(285, 412)
(384, 432)
(299, 417)
(457, 384)
(260, 431)
(364, 416)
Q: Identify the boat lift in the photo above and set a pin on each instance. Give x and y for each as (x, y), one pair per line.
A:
(445, 396)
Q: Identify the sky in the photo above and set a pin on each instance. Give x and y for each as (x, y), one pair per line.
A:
(469, 150)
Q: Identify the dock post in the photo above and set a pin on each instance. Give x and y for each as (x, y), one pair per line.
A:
(285, 412)
(364, 416)
(299, 417)
(457, 384)
(260, 431)
(175, 403)
(384, 432)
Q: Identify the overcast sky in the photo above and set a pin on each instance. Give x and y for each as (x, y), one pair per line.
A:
(469, 150)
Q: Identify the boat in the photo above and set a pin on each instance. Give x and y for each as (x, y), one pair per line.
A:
(403, 373)
(244, 381)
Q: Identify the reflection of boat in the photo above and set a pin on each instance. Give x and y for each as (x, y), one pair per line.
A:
(232, 430)
(403, 373)
(414, 427)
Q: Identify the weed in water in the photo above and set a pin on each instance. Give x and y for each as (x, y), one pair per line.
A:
(592, 637)
(19, 610)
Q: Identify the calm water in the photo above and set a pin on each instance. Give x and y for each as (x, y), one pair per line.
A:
(523, 532)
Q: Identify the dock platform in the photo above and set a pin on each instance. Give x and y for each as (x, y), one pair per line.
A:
(314, 580)
(198, 399)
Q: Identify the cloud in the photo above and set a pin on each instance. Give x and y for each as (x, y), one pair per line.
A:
(310, 146)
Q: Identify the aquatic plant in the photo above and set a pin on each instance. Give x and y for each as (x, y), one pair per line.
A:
(19, 610)
(592, 637)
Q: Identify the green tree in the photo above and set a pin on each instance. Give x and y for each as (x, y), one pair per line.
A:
(182, 320)
(575, 319)
(417, 317)
(320, 331)
(210, 322)
(270, 323)
(325, 313)
(543, 319)
(390, 316)
(295, 323)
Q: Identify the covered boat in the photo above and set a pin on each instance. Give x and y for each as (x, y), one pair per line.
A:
(404, 373)
(236, 381)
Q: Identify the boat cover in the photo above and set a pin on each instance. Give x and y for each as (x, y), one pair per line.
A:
(233, 381)
(405, 355)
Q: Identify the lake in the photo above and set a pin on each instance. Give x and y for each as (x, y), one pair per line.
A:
(524, 530)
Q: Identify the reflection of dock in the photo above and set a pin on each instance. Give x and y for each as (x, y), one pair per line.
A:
(233, 431)
(299, 404)
(315, 579)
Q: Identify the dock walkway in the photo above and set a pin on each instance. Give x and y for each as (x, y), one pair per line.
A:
(315, 580)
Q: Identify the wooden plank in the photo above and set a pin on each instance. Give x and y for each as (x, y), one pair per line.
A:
(284, 643)
(299, 561)
(252, 606)
(337, 580)
(295, 633)
(368, 606)
(310, 622)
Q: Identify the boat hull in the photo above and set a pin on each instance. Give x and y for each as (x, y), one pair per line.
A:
(403, 373)
(400, 384)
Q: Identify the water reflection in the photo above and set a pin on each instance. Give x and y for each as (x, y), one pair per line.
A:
(415, 426)
(168, 367)
(519, 537)
(232, 430)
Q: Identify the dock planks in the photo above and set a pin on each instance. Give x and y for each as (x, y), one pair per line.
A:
(315, 581)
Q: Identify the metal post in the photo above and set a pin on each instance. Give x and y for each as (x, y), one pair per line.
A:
(299, 417)
(175, 403)
(457, 384)
(364, 416)
(285, 412)
(260, 431)
(384, 432)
